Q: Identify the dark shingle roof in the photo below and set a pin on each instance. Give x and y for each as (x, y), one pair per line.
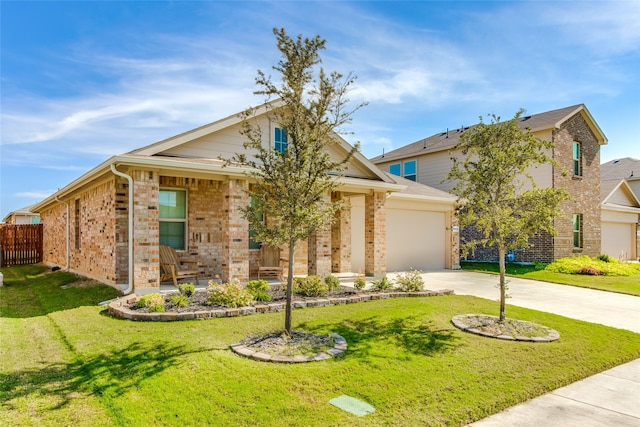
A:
(447, 140)
(620, 168)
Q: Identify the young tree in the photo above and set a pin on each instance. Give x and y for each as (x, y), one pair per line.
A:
(500, 197)
(292, 188)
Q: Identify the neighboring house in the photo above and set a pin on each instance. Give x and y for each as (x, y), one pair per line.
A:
(22, 216)
(620, 208)
(577, 139)
(185, 197)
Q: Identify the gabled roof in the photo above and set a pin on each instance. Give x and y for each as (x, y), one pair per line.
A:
(26, 211)
(537, 122)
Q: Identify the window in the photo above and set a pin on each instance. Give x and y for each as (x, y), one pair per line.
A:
(394, 169)
(577, 231)
(78, 221)
(280, 139)
(577, 159)
(410, 170)
(253, 244)
(173, 218)
(35, 220)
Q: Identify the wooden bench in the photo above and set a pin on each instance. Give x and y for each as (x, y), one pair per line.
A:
(172, 267)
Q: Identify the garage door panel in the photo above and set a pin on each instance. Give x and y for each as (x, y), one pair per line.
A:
(617, 239)
(415, 239)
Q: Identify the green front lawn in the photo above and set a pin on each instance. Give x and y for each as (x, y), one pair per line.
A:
(622, 284)
(78, 366)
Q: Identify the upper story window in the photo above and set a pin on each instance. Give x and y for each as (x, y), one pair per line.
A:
(173, 218)
(395, 169)
(577, 159)
(409, 171)
(577, 231)
(280, 140)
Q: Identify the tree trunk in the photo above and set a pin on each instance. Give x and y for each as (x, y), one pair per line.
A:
(503, 293)
(289, 294)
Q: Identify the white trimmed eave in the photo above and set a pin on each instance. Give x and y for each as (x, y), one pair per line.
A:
(435, 199)
(359, 185)
(623, 185)
(619, 208)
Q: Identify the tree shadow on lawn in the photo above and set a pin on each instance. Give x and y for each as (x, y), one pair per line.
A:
(106, 375)
(412, 334)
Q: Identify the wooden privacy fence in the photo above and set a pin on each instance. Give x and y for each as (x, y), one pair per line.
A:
(20, 244)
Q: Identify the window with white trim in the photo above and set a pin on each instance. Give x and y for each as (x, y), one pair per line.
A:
(577, 231)
(410, 170)
(280, 140)
(173, 218)
(577, 158)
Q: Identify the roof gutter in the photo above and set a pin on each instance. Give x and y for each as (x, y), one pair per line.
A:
(67, 232)
(129, 287)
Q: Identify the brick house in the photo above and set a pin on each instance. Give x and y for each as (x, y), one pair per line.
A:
(577, 139)
(178, 192)
(620, 208)
(22, 216)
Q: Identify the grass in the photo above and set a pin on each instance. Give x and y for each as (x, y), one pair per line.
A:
(629, 285)
(78, 366)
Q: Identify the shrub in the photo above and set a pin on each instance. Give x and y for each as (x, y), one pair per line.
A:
(312, 286)
(186, 289)
(179, 300)
(154, 302)
(606, 258)
(590, 271)
(332, 282)
(382, 285)
(359, 283)
(575, 264)
(229, 294)
(259, 289)
(411, 281)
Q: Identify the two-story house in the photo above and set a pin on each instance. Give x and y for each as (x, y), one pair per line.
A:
(577, 139)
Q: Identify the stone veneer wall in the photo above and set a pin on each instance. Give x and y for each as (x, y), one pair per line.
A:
(375, 234)
(584, 190)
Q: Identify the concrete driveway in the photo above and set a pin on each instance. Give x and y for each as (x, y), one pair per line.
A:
(611, 398)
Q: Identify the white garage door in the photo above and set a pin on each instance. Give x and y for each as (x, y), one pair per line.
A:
(617, 239)
(415, 239)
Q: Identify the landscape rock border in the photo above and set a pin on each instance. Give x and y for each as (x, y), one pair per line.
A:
(119, 308)
(339, 347)
(460, 323)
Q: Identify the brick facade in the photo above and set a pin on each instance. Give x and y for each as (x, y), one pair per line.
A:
(584, 190)
(341, 236)
(375, 234)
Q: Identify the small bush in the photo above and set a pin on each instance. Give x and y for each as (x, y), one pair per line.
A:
(312, 286)
(590, 271)
(575, 264)
(259, 289)
(411, 281)
(606, 258)
(332, 282)
(229, 295)
(359, 283)
(381, 285)
(154, 302)
(179, 300)
(186, 289)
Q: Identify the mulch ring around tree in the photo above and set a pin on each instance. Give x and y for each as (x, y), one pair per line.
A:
(509, 329)
(300, 347)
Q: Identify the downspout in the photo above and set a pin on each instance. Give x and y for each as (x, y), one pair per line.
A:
(130, 213)
(68, 239)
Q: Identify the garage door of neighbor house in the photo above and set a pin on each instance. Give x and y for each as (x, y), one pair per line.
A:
(617, 239)
(415, 239)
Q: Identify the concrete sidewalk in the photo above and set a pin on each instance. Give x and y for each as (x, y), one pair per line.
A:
(611, 398)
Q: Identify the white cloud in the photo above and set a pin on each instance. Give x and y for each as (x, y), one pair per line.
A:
(35, 194)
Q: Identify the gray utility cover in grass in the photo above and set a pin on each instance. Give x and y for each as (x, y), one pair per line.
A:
(352, 405)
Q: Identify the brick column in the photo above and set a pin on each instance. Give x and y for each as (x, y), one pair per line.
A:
(341, 236)
(375, 234)
(235, 231)
(146, 228)
(320, 250)
(454, 245)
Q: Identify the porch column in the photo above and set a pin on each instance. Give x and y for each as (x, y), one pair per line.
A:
(375, 234)
(146, 228)
(454, 242)
(341, 236)
(319, 255)
(235, 231)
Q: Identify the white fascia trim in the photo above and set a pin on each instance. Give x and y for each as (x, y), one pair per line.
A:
(366, 184)
(436, 199)
(620, 208)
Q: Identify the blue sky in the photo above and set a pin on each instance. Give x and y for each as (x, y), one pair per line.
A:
(82, 81)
